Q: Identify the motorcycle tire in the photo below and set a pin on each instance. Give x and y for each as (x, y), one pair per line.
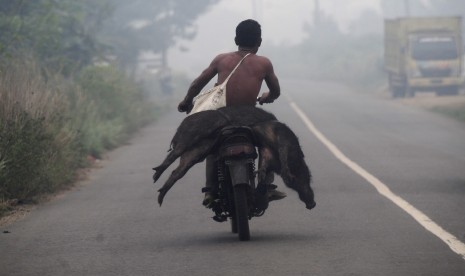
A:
(242, 212)
(232, 210)
(234, 225)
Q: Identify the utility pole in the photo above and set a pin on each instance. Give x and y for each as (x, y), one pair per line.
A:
(407, 8)
(257, 10)
(317, 14)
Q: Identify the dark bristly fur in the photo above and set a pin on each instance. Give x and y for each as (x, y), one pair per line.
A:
(278, 146)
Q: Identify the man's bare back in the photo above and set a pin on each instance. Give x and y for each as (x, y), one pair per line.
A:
(244, 85)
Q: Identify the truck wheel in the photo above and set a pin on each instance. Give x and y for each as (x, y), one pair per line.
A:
(234, 224)
(410, 92)
(448, 91)
(398, 92)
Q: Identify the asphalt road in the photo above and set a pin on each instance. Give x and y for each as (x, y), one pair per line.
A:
(112, 225)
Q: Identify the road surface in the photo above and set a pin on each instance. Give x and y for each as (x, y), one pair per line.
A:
(389, 182)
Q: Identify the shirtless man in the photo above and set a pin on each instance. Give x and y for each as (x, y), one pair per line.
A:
(244, 85)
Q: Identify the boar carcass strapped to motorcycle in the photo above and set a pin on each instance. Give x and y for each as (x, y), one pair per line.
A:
(278, 147)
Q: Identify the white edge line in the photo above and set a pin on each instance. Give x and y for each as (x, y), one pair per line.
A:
(455, 244)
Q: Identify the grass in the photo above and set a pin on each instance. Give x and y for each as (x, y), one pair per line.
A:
(457, 112)
(50, 124)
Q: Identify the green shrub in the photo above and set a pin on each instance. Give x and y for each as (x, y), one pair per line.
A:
(25, 147)
(38, 152)
(457, 112)
(332, 56)
(118, 108)
(49, 124)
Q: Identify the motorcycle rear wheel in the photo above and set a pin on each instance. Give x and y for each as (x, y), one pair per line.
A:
(234, 225)
(242, 212)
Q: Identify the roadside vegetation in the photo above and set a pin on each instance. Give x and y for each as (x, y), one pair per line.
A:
(70, 88)
(49, 125)
(454, 111)
(327, 53)
(353, 54)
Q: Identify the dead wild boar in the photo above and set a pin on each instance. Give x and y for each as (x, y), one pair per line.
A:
(278, 147)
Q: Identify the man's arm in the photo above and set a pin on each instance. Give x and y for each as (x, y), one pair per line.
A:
(272, 82)
(197, 85)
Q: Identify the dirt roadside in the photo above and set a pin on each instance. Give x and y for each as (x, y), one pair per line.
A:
(451, 106)
(20, 211)
(430, 101)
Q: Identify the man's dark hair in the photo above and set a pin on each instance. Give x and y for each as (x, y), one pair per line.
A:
(248, 33)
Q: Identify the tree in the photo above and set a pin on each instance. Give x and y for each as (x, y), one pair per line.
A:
(398, 8)
(66, 34)
(60, 33)
(150, 25)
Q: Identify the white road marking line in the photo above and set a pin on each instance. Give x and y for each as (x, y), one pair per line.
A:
(455, 244)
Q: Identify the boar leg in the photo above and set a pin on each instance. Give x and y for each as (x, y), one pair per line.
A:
(170, 158)
(294, 171)
(186, 138)
(188, 159)
(287, 159)
(177, 149)
(265, 166)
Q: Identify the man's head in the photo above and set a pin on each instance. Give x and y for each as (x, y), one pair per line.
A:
(248, 34)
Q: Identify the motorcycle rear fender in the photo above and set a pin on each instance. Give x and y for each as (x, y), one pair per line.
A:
(237, 142)
(238, 150)
(238, 170)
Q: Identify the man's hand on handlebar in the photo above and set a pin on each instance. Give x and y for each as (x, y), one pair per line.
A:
(265, 98)
(185, 106)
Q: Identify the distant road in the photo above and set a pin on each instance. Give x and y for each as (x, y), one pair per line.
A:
(359, 148)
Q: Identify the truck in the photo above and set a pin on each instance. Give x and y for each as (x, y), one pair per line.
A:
(423, 54)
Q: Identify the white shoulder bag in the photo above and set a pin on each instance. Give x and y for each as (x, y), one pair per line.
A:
(214, 97)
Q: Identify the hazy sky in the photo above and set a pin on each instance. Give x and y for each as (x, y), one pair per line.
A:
(282, 23)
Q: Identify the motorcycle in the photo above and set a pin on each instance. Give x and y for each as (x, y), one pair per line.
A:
(234, 135)
(238, 197)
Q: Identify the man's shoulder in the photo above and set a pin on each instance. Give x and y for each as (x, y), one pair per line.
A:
(263, 61)
(222, 56)
(235, 56)
(263, 58)
(230, 59)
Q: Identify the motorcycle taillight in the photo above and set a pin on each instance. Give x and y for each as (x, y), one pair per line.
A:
(238, 150)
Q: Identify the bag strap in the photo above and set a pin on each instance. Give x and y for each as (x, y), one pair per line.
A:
(232, 72)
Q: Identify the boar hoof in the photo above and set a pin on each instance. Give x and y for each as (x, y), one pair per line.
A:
(310, 205)
(156, 175)
(161, 196)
